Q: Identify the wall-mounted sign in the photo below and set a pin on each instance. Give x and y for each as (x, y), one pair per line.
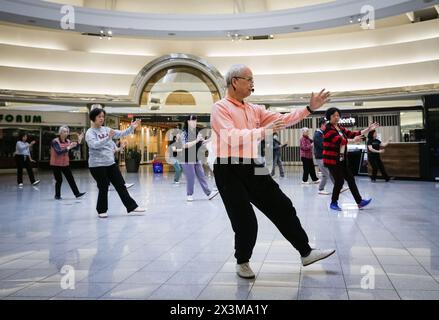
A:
(39, 118)
(18, 118)
(348, 121)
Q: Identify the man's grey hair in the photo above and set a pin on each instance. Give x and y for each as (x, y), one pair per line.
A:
(234, 71)
(63, 128)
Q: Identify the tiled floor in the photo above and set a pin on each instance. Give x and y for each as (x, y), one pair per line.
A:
(181, 250)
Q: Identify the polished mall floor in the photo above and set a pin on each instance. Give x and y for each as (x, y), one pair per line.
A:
(178, 250)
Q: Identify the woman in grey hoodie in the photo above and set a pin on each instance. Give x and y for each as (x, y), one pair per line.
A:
(101, 162)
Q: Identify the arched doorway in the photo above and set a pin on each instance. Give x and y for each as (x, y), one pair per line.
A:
(168, 89)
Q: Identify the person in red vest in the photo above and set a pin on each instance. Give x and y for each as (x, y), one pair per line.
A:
(60, 162)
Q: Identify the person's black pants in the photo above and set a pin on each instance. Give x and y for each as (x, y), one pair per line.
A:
(24, 162)
(377, 164)
(239, 188)
(103, 177)
(58, 172)
(341, 172)
(308, 169)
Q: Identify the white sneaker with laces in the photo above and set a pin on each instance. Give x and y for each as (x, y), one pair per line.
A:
(36, 183)
(103, 215)
(305, 182)
(190, 198)
(344, 189)
(324, 192)
(138, 209)
(244, 271)
(212, 195)
(316, 255)
(20, 185)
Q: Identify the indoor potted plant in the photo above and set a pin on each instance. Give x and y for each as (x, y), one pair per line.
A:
(132, 160)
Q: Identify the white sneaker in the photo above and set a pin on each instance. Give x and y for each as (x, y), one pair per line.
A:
(176, 182)
(103, 215)
(129, 185)
(190, 198)
(305, 182)
(316, 182)
(344, 189)
(324, 192)
(36, 183)
(212, 195)
(20, 185)
(316, 255)
(138, 209)
(244, 271)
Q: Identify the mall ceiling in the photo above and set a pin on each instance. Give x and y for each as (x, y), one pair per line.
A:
(202, 19)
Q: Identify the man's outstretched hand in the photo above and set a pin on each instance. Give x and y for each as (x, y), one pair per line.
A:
(318, 100)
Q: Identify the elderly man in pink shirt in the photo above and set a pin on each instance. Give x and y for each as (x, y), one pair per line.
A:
(238, 128)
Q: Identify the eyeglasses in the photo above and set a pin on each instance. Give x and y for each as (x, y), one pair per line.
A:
(248, 79)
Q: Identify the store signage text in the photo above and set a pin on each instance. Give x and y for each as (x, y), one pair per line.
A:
(347, 122)
(9, 118)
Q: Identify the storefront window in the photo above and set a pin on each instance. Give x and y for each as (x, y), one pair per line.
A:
(412, 128)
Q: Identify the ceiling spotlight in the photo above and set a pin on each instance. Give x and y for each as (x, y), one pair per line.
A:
(271, 36)
(110, 32)
(102, 31)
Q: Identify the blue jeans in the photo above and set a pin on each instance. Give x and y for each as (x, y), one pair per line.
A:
(178, 170)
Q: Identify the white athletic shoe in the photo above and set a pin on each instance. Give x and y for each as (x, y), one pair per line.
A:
(129, 185)
(212, 195)
(316, 255)
(244, 271)
(103, 215)
(20, 185)
(305, 182)
(324, 192)
(36, 183)
(139, 209)
(190, 198)
(316, 182)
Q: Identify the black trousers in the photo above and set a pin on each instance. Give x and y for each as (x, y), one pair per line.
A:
(103, 177)
(341, 172)
(58, 172)
(24, 162)
(377, 164)
(308, 170)
(239, 188)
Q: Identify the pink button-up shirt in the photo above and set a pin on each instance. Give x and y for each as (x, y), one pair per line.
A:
(238, 127)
